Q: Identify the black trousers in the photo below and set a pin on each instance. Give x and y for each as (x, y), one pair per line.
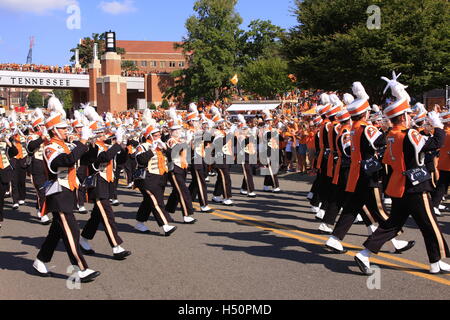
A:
(66, 227)
(441, 188)
(82, 174)
(337, 198)
(315, 201)
(418, 205)
(247, 181)
(180, 193)
(153, 202)
(271, 180)
(103, 213)
(365, 201)
(198, 185)
(38, 181)
(223, 182)
(19, 179)
(115, 184)
(3, 188)
(130, 168)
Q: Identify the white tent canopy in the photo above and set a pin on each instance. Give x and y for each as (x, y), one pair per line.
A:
(253, 107)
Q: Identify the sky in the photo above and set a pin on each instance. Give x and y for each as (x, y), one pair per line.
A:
(58, 25)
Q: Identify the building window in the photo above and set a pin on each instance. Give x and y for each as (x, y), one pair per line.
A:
(162, 64)
(172, 64)
(153, 64)
(143, 63)
(181, 64)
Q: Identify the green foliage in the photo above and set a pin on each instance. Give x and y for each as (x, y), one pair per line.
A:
(34, 99)
(65, 96)
(128, 65)
(165, 104)
(267, 77)
(87, 49)
(152, 106)
(211, 45)
(332, 46)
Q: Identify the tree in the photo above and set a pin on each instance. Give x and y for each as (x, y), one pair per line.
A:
(128, 65)
(165, 104)
(34, 99)
(333, 47)
(210, 46)
(86, 48)
(263, 39)
(267, 77)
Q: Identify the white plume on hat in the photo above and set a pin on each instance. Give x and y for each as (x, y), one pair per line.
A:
(335, 100)
(55, 106)
(325, 99)
(109, 117)
(215, 111)
(38, 114)
(91, 114)
(398, 90)
(13, 117)
(242, 121)
(267, 114)
(193, 107)
(147, 117)
(375, 108)
(348, 99)
(173, 113)
(359, 91)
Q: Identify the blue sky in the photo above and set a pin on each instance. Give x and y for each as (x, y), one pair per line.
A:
(157, 20)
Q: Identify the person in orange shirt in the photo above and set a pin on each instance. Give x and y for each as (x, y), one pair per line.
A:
(302, 148)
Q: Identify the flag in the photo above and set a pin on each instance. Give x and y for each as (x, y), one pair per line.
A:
(234, 80)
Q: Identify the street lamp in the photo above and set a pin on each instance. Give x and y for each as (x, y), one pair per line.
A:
(110, 41)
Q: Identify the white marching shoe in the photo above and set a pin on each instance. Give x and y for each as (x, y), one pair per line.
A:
(88, 275)
(437, 212)
(358, 219)
(120, 253)
(387, 201)
(45, 220)
(243, 192)
(315, 209)
(324, 228)
(82, 210)
(310, 196)
(276, 190)
(217, 199)
(362, 259)
(115, 202)
(168, 230)
(320, 214)
(442, 207)
(371, 229)
(207, 179)
(251, 195)
(41, 268)
(335, 245)
(206, 209)
(21, 202)
(85, 246)
(228, 202)
(266, 188)
(140, 226)
(439, 267)
(15, 206)
(130, 186)
(189, 220)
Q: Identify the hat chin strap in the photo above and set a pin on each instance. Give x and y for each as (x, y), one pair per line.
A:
(58, 134)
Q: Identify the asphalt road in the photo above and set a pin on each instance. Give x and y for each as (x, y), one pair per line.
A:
(263, 248)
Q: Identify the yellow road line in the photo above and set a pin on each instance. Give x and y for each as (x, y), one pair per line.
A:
(352, 254)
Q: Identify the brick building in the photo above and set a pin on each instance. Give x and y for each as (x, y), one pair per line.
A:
(153, 56)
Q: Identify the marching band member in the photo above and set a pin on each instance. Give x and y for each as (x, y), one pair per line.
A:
(7, 151)
(271, 137)
(197, 167)
(340, 175)
(35, 148)
(60, 158)
(82, 164)
(313, 195)
(409, 184)
(223, 156)
(363, 181)
(443, 167)
(101, 171)
(178, 165)
(152, 170)
(247, 148)
(19, 163)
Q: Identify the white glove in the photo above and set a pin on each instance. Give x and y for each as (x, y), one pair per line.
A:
(86, 133)
(161, 145)
(119, 135)
(435, 120)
